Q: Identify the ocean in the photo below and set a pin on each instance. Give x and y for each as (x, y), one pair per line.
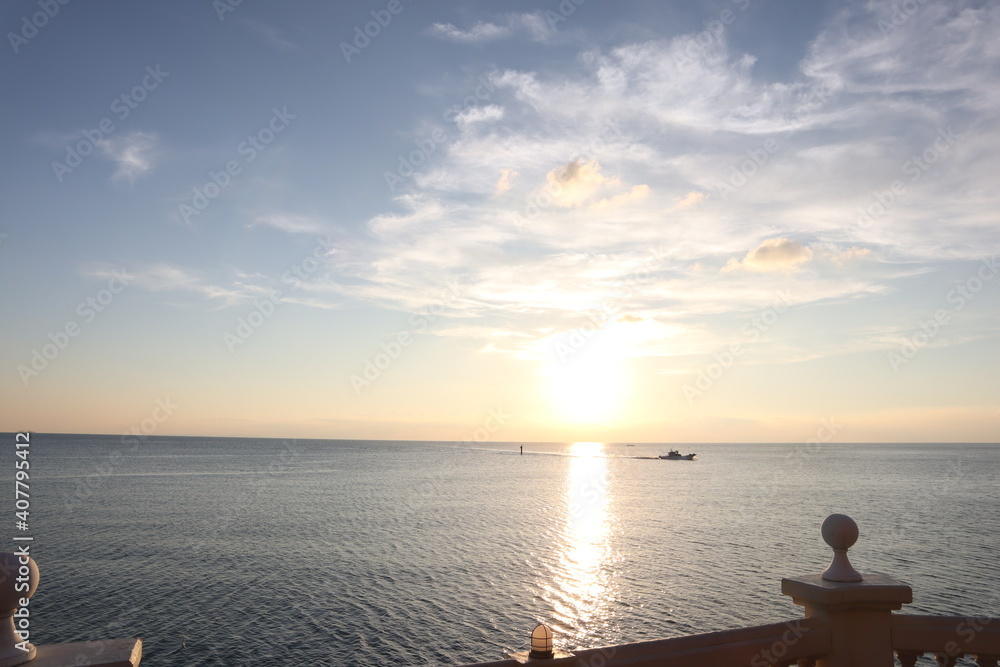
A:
(239, 551)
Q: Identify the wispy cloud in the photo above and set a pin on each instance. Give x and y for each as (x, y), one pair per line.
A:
(532, 25)
(269, 34)
(228, 287)
(134, 154)
(292, 224)
(571, 191)
(480, 32)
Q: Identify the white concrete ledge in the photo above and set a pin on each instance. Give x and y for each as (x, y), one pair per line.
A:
(102, 653)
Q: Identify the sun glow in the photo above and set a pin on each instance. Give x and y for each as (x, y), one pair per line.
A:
(587, 382)
(582, 581)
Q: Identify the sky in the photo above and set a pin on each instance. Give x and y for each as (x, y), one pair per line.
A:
(575, 220)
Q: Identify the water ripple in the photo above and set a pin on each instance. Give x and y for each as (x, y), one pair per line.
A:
(226, 552)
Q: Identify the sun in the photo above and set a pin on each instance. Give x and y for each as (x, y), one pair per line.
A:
(587, 382)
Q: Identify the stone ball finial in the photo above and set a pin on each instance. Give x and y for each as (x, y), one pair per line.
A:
(840, 532)
(18, 580)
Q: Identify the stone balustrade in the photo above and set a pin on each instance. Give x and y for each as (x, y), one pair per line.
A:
(848, 622)
(947, 638)
(18, 581)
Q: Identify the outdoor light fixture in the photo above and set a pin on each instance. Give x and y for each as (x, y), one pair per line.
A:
(542, 648)
(541, 642)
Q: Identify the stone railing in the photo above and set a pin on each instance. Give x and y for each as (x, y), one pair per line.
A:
(947, 637)
(18, 581)
(848, 623)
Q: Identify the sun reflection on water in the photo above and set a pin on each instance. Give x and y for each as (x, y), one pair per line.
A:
(583, 586)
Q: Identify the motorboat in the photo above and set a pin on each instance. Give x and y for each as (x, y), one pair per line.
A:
(675, 455)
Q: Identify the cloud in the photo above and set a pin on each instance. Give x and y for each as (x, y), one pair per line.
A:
(533, 25)
(689, 200)
(570, 234)
(576, 181)
(477, 34)
(223, 286)
(133, 153)
(506, 181)
(580, 182)
(849, 254)
(164, 277)
(772, 255)
(478, 114)
(269, 34)
(637, 193)
(293, 224)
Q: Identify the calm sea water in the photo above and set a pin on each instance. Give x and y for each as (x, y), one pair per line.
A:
(220, 551)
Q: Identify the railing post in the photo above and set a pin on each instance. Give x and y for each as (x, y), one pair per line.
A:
(856, 608)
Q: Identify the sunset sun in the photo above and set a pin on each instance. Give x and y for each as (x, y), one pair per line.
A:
(587, 384)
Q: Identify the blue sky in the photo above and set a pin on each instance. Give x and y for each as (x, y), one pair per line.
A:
(629, 221)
